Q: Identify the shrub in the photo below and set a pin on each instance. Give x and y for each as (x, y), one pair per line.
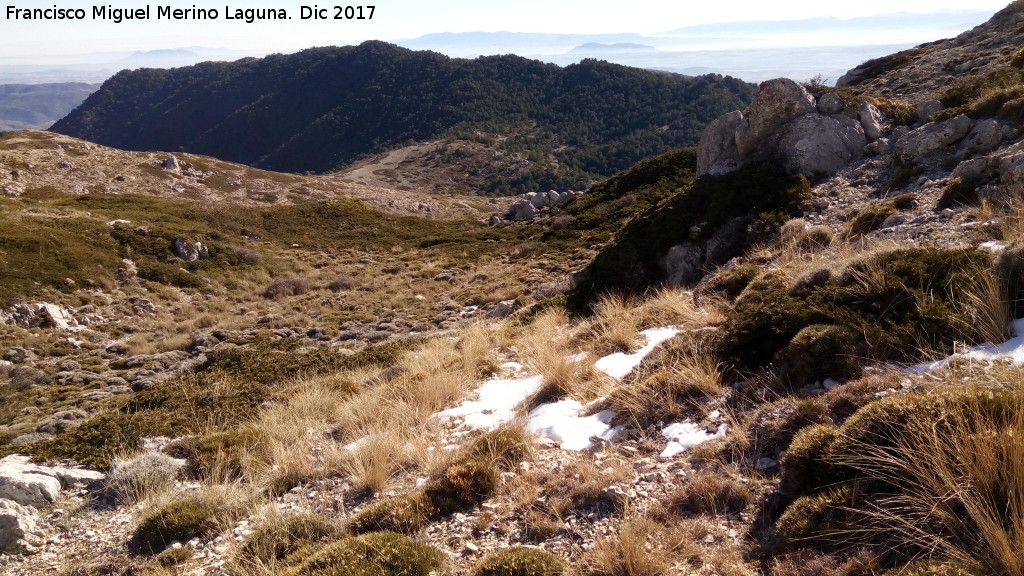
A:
(821, 351)
(814, 520)
(286, 287)
(708, 492)
(519, 561)
(131, 481)
(379, 554)
(404, 514)
(505, 447)
(174, 556)
(804, 466)
(728, 281)
(959, 192)
(463, 483)
(279, 539)
(870, 219)
(223, 454)
(178, 521)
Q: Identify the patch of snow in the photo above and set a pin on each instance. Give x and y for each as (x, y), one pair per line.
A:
(1012, 349)
(496, 402)
(993, 246)
(514, 366)
(563, 422)
(618, 365)
(685, 435)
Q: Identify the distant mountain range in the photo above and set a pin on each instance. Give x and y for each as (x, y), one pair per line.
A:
(35, 106)
(320, 109)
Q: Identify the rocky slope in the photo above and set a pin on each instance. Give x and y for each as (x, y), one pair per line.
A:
(813, 250)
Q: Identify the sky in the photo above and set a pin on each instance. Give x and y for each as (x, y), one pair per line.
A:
(28, 41)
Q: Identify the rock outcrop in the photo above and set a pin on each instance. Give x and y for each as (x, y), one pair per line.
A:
(19, 529)
(786, 124)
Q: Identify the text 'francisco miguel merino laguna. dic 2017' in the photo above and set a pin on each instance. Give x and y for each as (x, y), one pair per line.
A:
(117, 15)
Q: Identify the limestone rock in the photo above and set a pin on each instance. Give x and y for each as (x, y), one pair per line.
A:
(814, 143)
(872, 120)
(188, 251)
(522, 210)
(927, 110)
(932, 137)
(717, 153)
(26, 483)
(19, 529)
(831, 103)
(777, 102)
(171, 164)
(986, 136)
(682, 264)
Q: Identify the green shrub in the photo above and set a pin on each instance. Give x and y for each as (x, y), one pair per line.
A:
(462, 484)
(520, 561)
(959, 192)
(378, 554)
(505, 447)
(870, 219)
(175, 522)
(280, 539)
(815, 520)
(899, 304)
(804, 466)
(174, 556)
(224, 454)
(821, 351)
(728, 281)
(404, 514)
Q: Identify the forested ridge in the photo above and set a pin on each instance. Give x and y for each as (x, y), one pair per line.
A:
(322, 108)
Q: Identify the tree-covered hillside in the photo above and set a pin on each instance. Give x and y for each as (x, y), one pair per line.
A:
(322, 108)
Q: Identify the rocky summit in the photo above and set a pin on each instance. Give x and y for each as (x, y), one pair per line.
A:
(794, 349)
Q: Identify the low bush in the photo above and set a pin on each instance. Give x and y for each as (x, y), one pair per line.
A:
(178, 521)
(286, 287)
(504, 447)
(132, 480)
(403, 514)
(870, 219)
(805, 468)
(520, 561)
(224, 455)
(821, 351)
(378, 554)
(283, 537)
(461, 484)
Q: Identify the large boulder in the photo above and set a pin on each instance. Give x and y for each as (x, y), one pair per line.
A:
(19, 529)
(815, 144)
(717, 153)
(777, 102)
(784, 124)
(27, 484)
(932, 137)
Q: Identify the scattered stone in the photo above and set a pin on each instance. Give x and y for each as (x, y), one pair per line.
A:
(19, 529)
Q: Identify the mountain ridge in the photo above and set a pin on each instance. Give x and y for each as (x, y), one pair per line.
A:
(321, 109)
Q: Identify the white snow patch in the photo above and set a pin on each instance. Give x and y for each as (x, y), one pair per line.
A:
(618, 365)
(514, 366)
(1012, 349)
(496, 402)
(564, 422)
(993, 246)
(685, 435)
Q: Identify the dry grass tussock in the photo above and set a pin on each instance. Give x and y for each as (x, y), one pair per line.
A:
(322, 414)
(676, 307)
(962, 481)
(646, 547)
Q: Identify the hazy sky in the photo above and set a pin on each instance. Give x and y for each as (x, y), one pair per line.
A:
(27, 41)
